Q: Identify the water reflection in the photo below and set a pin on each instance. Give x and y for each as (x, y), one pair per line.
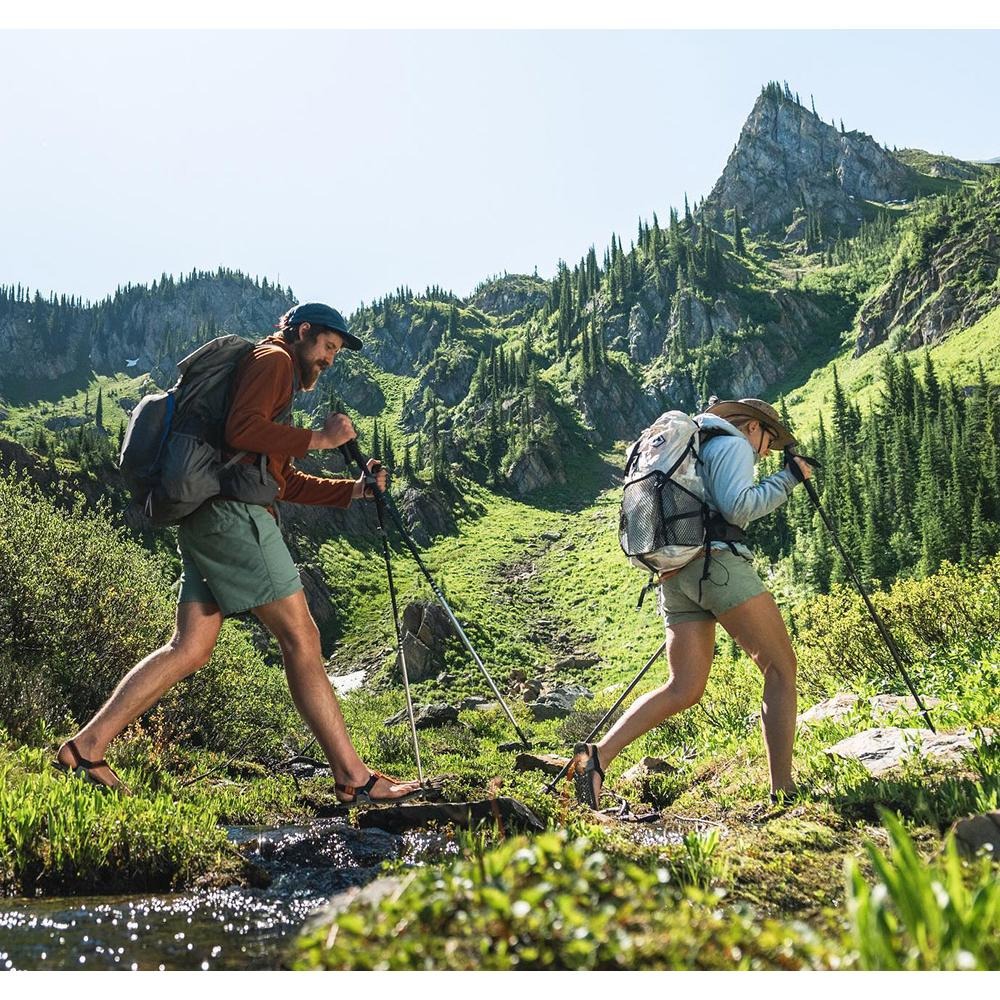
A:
(234, 928)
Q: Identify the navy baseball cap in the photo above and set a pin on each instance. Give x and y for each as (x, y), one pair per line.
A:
(319, 314)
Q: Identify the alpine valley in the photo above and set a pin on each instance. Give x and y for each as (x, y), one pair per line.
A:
(855, 287)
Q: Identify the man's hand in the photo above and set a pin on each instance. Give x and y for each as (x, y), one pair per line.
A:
(381, 480)
(337, 430)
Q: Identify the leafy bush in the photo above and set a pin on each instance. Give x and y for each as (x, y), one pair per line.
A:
(80, 604)
(956, 608)
(919, 916)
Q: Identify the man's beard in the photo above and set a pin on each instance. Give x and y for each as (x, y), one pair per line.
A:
(309, 382)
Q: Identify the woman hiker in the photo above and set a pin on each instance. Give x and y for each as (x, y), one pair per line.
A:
(732, 594)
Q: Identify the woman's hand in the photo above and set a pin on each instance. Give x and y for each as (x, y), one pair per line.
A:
(805, 468)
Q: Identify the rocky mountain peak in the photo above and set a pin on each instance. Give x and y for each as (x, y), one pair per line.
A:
(787, 159)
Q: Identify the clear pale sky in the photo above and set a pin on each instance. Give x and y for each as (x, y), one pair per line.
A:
(347, 163)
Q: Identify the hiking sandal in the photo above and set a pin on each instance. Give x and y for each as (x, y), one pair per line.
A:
(583, 772)
(82, 768)
(364, 792)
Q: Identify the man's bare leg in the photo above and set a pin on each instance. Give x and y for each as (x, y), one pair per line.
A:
(292, 625)
(758, 627)
(188, 650)
(690, 649)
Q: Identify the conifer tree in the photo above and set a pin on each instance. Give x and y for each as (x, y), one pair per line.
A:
(738, 246)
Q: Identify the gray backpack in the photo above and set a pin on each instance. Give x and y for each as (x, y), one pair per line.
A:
(172, 452)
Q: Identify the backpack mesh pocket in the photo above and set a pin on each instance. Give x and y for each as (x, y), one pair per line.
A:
(657, 512)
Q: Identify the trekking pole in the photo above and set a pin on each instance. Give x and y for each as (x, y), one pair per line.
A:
(879, 624)
(379, 510)
(550, 787)
(352, 453)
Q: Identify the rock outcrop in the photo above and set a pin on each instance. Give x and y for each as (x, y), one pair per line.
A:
(426, 628)
(788, 157)
(534, 469)
(947, 282)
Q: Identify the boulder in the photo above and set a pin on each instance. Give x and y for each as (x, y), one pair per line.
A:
(881, 749)
(535, 468)
(320, 601)
(426, 627)
(840, 705)
(576, 661)
(476, 702)
(427, 514)
(361, 895)
(557, 701)
(648, 766)
(426, 716)
(976, 833)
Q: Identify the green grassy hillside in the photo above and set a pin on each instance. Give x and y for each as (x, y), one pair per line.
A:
(958, 357)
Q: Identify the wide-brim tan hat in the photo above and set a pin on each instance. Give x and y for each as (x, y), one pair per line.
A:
(758, 410)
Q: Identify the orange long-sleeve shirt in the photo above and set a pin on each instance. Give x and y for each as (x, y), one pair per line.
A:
(262, 386)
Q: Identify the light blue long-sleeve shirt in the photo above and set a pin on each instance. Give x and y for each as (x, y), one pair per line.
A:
(727, 469)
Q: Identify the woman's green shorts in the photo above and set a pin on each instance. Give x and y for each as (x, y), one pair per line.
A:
(233, 555)
(731, 581)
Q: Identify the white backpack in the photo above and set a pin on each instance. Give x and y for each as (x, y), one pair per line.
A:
(664, 515)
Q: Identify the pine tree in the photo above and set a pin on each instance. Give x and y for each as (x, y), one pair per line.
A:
(739, 247)
(99, 410)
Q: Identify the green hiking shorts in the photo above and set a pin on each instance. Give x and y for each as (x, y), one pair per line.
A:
(731, 581)
(233, 555)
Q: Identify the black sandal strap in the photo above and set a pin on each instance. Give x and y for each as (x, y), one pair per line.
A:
(597, 760)
(364, 789)
(82, 761)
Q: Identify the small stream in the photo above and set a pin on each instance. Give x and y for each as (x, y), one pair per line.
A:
(233, 928)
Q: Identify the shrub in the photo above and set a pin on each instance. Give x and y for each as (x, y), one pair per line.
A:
(80, 604)
(954, 608)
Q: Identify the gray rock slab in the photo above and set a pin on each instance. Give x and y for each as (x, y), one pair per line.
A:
(841, 705)
(576, 661)
(558, 701)
(881, 749)
(477, 703)
(371, 894)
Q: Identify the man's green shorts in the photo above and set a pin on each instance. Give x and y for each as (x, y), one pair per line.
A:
(233, 555)
(731, 581)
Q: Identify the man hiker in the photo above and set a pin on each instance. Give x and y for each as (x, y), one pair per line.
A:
(235, 560)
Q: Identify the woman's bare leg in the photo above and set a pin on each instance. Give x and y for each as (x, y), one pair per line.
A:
(690, 648)
(758, 627)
